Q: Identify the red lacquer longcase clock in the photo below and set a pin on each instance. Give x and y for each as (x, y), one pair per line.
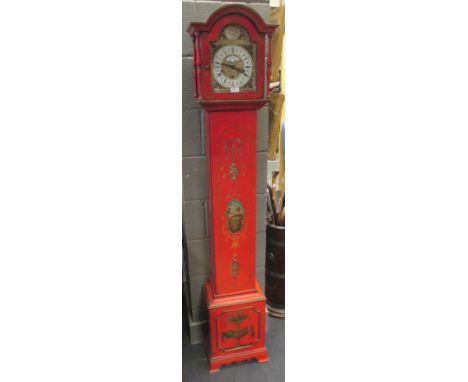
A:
(231, 66)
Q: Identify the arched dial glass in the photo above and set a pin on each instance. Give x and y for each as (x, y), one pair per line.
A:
(232, 66)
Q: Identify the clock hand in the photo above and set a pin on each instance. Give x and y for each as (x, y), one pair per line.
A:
(233, 67)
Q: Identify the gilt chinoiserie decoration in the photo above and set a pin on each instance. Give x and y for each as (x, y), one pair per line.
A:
(231, 71)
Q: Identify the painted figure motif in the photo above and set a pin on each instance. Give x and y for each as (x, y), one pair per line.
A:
(235, 215)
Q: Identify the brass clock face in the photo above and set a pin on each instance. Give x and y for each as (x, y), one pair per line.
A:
(233, 61)
(232, 66)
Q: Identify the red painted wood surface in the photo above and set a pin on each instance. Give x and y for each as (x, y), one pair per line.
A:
(231, 149)
(236, 304)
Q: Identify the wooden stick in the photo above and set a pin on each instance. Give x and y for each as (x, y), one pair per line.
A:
(273, 188)
(271, 205)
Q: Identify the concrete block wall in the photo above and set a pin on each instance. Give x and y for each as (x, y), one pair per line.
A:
(194, 172)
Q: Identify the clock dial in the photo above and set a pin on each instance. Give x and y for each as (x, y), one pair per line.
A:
(232, 66)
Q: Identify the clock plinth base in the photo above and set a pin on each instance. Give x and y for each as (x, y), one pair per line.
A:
(237, 327)
(261, 355)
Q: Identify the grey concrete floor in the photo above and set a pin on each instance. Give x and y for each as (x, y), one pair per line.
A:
(195, 362)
